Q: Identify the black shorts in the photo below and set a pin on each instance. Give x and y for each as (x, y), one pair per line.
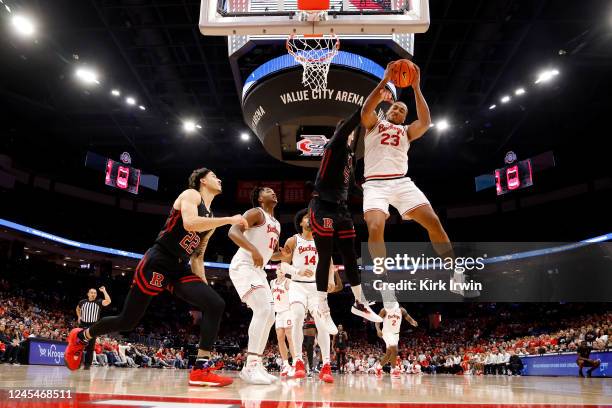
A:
(309, 341)
(586, 362)
(328, 219)
(158, 270)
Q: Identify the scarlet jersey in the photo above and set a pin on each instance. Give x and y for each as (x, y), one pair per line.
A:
(280, 294)
(386, 151)
(305, 256)
(264, 237)
(392, 320)
(175, 239)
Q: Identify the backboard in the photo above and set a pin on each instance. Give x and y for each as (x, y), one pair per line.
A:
(280, 17)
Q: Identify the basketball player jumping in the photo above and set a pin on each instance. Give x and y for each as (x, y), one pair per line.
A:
(386, 163)
(331, 220)
(392, 315)
(257, 245)
(301, 251)
(175, 263)
(281, 286)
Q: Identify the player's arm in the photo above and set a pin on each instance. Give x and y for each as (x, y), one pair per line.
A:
(189, 201)
(335, 283)
(382, 314)
(421, 125)
(78, 312)
(107, 300)
(197, 257)
(378, 94)
(253, 217)
(344, 129)
(409, 318)
(278, 254)
(287, 250)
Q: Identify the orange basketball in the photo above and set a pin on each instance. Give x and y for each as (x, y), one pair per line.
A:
(403, 73)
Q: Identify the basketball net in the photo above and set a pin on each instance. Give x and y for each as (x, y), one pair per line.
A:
(315, 54)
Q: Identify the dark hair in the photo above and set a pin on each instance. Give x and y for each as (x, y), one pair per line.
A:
(298, 219)
(255, 195)
(196, 176)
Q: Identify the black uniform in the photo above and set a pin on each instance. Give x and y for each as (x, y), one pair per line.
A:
(166, 266)
(330, 218)
(90, 313)
(341, 345)
(309, 342)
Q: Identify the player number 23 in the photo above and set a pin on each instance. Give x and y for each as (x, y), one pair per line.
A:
(395, 139)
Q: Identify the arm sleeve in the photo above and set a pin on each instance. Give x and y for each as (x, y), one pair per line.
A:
(99, 302)
(344, 130)
(81, 303)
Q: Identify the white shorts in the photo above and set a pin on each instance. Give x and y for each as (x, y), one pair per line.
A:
(283, 319)
(305, 294)
(391, 339)
(402, 194)
(246, 278)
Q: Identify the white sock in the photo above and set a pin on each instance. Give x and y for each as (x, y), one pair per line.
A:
(251, 358)
(285, 363)
(261, 321)
(358, 293)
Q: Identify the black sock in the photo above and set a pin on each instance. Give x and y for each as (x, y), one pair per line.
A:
(201, 362)
(81, 336)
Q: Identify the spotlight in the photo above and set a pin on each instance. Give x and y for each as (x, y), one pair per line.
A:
(442, 125)
(64, 264)
(492, 107)
(87, 76)
(115, 92)
(519, 91)
(189, 126)
(199, 127)
(546, 76)
(505, 99)
(130, 101)
(141, 107)
(23, 25)
(432, 125)
(122, 273)
(245, 136)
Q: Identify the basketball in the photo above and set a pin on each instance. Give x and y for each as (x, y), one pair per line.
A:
(404, 73)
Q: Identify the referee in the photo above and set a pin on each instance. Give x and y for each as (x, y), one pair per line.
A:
(88, 312)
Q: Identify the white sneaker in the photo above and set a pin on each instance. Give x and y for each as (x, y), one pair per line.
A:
(252, 375)
(324, 313)
(286, 371)
(363, 310)
(266, 374)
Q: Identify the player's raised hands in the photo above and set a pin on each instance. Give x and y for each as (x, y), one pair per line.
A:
(388, 71)
(417, 78)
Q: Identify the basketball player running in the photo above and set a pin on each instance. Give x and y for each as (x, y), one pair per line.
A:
(284, 318)
(392, 315)
(258, 245)
(176, 263)
(386, 163)
(301, 251)
(330, 220)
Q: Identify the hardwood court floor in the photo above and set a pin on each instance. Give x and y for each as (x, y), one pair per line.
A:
(116, 387)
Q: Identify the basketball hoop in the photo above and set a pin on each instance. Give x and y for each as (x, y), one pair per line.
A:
(315, 53)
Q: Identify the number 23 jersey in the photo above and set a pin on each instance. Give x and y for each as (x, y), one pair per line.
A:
(386, 151)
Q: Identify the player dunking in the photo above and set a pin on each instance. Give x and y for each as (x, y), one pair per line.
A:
(257, 245)
(330, 220)
(175, 263)
(301, 251)
(392, 315)
(284, 318)
(386, 163)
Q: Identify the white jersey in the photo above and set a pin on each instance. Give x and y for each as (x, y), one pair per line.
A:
(280, 295)
(392, 320)
(263, 237)
(305, 256)
(386, 151)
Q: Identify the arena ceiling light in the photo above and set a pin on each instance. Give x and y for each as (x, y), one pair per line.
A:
(519, 91)
(505, 99)
(116, 92)
(189, 126)
(245, 137)
(547, 75)
(87, 76)
(492, 107)
(23, 25)
(130, 101)
(141, 107)
(442, 125)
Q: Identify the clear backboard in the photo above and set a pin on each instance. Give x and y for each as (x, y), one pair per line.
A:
(281, 17)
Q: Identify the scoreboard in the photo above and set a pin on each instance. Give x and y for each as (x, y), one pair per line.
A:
(513, 177)
(122, 176)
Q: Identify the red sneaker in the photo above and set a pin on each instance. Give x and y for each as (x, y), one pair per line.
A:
(326, 374)
(206, 377)
(74, 351)
(300, 370)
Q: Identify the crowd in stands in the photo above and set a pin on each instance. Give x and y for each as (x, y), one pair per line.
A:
(474, 338)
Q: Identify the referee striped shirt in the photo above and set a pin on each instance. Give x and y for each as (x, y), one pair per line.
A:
(90, 311)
